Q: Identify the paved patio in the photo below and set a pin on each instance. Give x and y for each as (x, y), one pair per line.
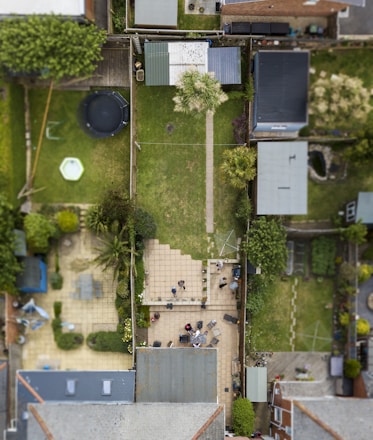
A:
(172, 321)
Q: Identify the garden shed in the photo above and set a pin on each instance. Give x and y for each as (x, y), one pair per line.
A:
(282, 178)
(159, 14)
(281, 90)
(256, 384)
(33, 278)
(364, 209)
(166, 61)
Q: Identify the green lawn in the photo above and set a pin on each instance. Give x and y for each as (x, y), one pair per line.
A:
(171, 170)
(271, 327)
(12, 141)
(196, 21)
(106, 161)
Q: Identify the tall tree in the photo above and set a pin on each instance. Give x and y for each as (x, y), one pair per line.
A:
(198, 93)
(239, 166)
(50, 46)
(8, 262)
(266, 245)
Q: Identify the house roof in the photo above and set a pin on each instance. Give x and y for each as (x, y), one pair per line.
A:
(166, 421)
(25, 7)
(176, 375)
(338, 418)
(281, 85)
(278, 8)
(357, 20)
(225, 62)
(282, 178)
(166, 62)
(364, 211)
(162, 13)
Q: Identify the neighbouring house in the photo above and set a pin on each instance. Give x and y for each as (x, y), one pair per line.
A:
(159, 14)
(282, 178)
(360, 209)
(299, 411)
(281, 92)
(77, 9)
(299, 14)
(33, 277)
(165, 62)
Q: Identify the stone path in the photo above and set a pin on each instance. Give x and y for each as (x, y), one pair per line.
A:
(209, 173)
(293, 319)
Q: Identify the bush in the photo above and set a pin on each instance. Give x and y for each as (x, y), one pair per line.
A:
(139, 280)
(351, 368)
(145, 225)
(243, 417)
(57, 307)
(123, 288)
(143, 317)
(365, 272)
(347, 272)
(95, 220)
(106, 341)
(368, 254)
(56, 280)
(67, 221)
(323, 256)
(344, 319)
(39, 229)
(362, 327)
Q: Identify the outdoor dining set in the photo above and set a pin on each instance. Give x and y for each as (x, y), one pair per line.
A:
(196, 337)
(87, 288)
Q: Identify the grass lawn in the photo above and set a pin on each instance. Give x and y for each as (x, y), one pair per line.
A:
(12, 141)
(271, 327)
(196, 21)
(106, 161)
(171, 170)
(313, 319)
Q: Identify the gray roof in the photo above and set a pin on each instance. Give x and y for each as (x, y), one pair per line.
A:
(166, 421)
(160, 13)
(364, 210)
(256, 384)
(350, 418)
(176, 375)
(357, 22)
(157, 62)
(225, 62)
(282, 178)
(281, 86)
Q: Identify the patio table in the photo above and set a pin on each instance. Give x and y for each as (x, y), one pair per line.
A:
(86, 286)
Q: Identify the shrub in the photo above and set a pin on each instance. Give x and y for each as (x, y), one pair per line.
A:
(240, 129)
(368, 254)
(39, 229)
(127, 333)
(106, 341)
(323, 256)
(57, 307)
(362, 327)
(142, 317)
(56, 280)
(139, 280)
(351, 368)
(145, 225)
(95, 220)
(344, 319)
(365, 272)
(123, 288)
(347, 272)
(67, 221)
(243, 417)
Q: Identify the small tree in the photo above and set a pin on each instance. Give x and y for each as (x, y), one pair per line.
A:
(145, 225)
(243, 417)
(355, 233)
(239, 166)
(39, 229)
(338, 99)
(266, 245)
(351, 368)
(198, 93)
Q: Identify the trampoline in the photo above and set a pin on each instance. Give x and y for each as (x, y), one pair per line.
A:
(104, 113)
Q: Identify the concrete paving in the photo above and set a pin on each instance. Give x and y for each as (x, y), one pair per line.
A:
(171, 323)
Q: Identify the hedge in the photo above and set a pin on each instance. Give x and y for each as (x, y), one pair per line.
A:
(243, 417)
(106, 341)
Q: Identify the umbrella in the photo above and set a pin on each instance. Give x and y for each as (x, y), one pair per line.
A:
(31, 307)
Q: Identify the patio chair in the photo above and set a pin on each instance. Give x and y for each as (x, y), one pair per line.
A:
(214, 341)
(216, 332)
(199, 324)
(211, 324)
(157, 343)
(184, 339)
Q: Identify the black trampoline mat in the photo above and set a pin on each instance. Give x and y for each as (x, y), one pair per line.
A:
(104, 113)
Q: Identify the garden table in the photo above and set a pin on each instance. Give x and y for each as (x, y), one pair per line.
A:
(86, 286)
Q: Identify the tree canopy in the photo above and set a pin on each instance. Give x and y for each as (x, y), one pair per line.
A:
(198, 93)
(239, 166)
(243, 417)
(266, 245)
(8, 262)
(356, 233)
(50, 46)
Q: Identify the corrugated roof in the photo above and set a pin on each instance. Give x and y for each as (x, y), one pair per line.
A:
(282, 178)
(156, 64)
(176, 375)
(225, 62)
(160, 13)
(256, 384)
(364, 210)
(281, 86)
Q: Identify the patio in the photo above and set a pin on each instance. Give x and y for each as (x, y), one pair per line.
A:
(198, 7)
